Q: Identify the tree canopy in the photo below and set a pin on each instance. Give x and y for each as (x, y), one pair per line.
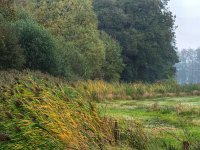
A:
(128, 40)
(76, 22)
(145, 31)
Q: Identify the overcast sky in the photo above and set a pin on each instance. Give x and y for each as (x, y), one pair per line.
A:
(188, 21)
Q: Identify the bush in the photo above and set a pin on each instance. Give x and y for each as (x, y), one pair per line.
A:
(39, 46)
(10, 51)
(113, 65)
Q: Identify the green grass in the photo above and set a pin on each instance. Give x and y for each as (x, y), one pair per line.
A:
(41, 112)
(166, 120)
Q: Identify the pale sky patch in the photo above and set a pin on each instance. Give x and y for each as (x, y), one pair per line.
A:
(188, 21)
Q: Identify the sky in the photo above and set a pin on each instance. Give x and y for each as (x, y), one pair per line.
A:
(188, 21)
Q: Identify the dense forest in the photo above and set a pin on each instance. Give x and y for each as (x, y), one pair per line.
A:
(145, 31)
(127, 40)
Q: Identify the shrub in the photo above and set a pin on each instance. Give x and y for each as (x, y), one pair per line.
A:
(11, 54)
(39, 46)
(113, 65)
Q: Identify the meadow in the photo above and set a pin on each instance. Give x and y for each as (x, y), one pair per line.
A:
(158, 123)
(161, 115)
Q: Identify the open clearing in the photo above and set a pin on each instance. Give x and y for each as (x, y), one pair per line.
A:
(173, 120)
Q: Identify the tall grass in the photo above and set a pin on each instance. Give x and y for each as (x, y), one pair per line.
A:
(100, 90)
(42, 112)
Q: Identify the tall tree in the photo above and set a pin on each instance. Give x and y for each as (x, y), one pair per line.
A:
(145, 30)
(76, 22)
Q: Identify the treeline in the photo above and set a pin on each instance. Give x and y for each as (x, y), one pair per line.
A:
(188, 69)
(80, 39)
(145, 31)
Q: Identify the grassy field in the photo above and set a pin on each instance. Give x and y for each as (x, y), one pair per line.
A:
(165, 122)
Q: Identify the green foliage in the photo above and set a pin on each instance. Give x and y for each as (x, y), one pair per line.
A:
(65, 59)
(11, 53)
(145, 31)
(113, 65)
(62, 38)
(38, 44)
(76, 23)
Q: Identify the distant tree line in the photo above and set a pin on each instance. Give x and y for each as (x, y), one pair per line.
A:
(188, 69)
(127, 40)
